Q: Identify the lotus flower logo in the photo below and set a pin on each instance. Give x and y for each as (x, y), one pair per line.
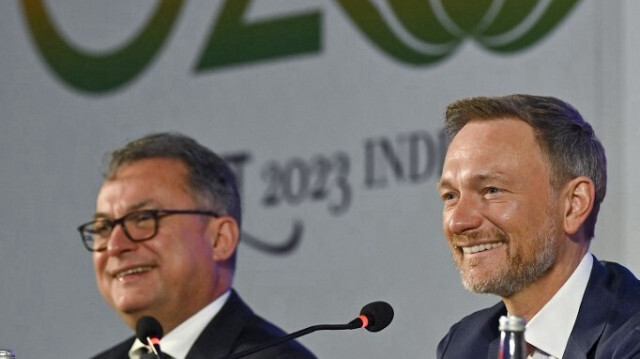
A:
(425, 31)
(418, 32)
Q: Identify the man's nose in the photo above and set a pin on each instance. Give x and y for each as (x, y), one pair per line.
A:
(119, 242)
(463, 216)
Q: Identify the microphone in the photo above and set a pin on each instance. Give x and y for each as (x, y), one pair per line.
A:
(149, 331)
(374, 317)
(378, 315)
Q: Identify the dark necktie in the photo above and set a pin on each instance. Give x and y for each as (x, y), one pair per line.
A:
(146, 353)
(530, 350)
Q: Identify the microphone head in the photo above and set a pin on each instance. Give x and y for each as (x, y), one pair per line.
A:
(379, 314)
(148, 327)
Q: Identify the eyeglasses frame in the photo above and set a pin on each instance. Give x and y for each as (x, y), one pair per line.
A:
(157, 214)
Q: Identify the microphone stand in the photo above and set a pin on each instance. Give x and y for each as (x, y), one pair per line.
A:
(354, 324)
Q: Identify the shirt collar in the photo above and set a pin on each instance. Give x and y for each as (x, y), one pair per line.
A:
(178, 342)
(550, 328)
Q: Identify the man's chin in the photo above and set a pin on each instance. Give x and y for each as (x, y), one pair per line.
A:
(475, 287)
(479, 282)
(131, 305)
(501, 286)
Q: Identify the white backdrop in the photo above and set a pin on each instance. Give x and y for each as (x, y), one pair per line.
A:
(375, 236)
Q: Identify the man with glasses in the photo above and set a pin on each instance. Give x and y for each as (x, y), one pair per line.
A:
(164, 240)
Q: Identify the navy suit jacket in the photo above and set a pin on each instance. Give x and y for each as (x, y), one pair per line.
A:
(234, 329)
(607, 326)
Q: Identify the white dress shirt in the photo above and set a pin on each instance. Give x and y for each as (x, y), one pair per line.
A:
(178, 342)
(549, 330)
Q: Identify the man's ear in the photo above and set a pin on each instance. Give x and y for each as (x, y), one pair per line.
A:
(225, 234)
(579, 199)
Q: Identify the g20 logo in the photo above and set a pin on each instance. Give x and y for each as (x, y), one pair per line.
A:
(416, 32)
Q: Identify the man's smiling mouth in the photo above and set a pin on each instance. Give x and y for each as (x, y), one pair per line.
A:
(136, 270)
(481, 247)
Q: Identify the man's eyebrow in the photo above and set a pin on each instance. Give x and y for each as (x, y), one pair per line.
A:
(132, 208)
(480, 177)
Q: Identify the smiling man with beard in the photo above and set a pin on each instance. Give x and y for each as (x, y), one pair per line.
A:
(521, 185)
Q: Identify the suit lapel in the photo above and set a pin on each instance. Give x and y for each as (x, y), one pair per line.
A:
(494, 346)
(218, 338)
(117, 352)
(592, 317)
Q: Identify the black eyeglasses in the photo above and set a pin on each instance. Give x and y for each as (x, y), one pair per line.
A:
(138, 226)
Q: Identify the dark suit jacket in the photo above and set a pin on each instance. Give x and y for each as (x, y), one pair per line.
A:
(607, 326)
(234, 329)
